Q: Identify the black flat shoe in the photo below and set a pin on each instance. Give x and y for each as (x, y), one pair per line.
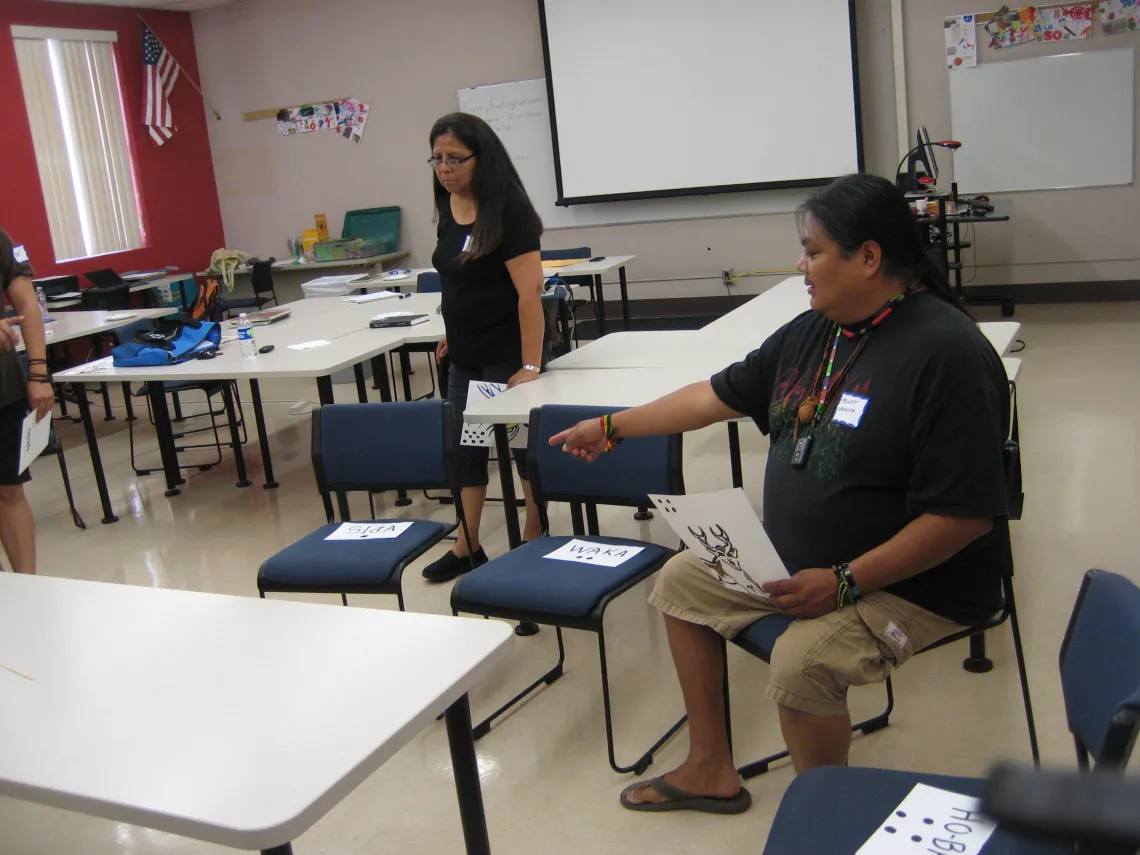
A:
(451, 566)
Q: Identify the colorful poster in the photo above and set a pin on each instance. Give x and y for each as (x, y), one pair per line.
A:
(1008, 27)
(306, 118)
(961, 42)
(1119, 16)
(352, 116)
(1067, 22)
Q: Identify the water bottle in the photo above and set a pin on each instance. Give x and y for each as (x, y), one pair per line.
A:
(42, 300)
(245, 337)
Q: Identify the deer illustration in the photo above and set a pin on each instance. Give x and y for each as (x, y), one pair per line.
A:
(723, 551)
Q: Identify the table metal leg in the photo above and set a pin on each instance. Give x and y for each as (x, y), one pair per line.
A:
(262, 436)
(600, 306)
(127, 403)
(325, 390)
(235, 435)
(108, 413)
(361, 383)
(624, 299)
(734, 454)
(93, 447)
(283, 849)
(406, 373)
(380, 378)
(157, 394)
(507, 480)
(465, 768)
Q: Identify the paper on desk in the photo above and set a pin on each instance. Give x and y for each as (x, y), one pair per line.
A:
(483, 436)
(308, 345)
(369, 531)
(931, 820)
(724, 532)
(99, 366)
(368, 298)
(585, 552)
(33, 438)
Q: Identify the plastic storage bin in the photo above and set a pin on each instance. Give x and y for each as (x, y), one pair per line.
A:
(378, 223)
(342, 250)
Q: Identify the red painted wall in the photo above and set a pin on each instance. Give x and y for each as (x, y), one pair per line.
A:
(180, 210)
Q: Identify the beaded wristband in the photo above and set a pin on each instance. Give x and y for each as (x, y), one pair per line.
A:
(849, 592)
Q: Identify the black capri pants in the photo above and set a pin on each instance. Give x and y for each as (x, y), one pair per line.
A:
(468, 462)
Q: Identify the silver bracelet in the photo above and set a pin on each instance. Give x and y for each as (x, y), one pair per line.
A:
(533, 368)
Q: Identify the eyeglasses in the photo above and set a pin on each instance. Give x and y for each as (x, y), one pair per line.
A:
(453, 162)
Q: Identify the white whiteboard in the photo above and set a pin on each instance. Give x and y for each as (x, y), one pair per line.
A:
(1045, 123)
(518, 112)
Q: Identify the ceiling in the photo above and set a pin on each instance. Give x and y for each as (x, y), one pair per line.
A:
(172, 5)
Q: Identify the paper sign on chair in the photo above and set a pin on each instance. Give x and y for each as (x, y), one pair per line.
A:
(604, 554)
(369, 531)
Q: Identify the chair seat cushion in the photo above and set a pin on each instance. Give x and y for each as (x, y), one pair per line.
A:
(760, 637)
(314, 561)
(525, 581)
(241, 302)
(856, 801)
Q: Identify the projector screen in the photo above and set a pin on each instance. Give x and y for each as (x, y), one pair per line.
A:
(652, 98)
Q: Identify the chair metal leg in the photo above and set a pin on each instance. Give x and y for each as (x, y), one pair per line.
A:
(977, 662)
(108, 413)
(177, 401)
(727, 700)
(483, 728)
(344, 599)
(880, 721)
(283, 849)
(128, 403)
(1029, 721)
(646, 759)
(67, 490)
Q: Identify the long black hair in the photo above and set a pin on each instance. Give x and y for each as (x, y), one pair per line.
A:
(858, 208)
(495, 182)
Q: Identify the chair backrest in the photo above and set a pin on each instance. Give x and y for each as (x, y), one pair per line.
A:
(54, 285)
(127, 333)
(110, 298)
(564, 254)
(104, 277)
(261, 277)
(1100, 667)
(377, 447)
(624, 476)
(429, 282)
(204, 307)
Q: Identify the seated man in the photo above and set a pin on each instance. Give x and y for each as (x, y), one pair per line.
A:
(887, 410)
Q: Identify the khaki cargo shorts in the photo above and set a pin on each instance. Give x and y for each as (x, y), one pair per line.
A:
(816, 659)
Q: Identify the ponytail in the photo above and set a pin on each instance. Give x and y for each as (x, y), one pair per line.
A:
(859, 208)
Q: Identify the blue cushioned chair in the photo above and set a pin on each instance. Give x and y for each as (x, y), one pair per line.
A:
(370, 448)
(524, 586)
(1100, 678)
(759, 639)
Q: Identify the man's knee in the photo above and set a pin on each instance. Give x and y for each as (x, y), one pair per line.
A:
(11, 494)
(812, 666)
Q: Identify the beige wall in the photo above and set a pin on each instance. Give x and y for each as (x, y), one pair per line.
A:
(407, 58)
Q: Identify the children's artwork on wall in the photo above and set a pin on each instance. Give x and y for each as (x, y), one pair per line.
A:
(961, 42)
(1119, 16)
(1067, 22)
(1009, 27)
(347, 117)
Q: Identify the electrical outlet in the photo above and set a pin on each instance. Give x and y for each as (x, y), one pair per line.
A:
(726, 276)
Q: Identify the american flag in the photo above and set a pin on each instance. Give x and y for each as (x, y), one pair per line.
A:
(160, 72)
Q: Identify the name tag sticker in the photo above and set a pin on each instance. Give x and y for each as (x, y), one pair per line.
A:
(849, 410)
(20, 254)
(466, 244)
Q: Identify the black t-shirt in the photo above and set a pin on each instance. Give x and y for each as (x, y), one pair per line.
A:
(480, 302)
(13, 264)
(916, 426)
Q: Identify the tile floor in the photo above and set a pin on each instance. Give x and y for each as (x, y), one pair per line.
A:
(546, 782)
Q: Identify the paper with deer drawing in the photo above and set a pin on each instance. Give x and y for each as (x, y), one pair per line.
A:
(483, 436)
(724, 532)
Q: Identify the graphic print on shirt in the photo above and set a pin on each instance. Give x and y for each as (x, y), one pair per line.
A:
(832, 440)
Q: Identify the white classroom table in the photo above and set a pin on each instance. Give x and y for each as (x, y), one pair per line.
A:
(71, 325)
(594, 270)
(232, 720)
(344, 325)
(72, 299)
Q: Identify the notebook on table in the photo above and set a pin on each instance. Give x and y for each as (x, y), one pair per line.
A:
(264, 318)
(397, 319)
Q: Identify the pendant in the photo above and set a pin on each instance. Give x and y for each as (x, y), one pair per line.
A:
(807, 409)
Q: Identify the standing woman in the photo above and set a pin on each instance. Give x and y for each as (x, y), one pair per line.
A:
(487, 256)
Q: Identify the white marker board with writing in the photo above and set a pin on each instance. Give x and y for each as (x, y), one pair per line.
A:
(519, 114)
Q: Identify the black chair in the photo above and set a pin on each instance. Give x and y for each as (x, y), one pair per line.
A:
(210, 388)
(261, 280)
(579, 252)
(760, 638)
(368, 448)
(55, 447)
(835, 809)
(524, 585)
(104, 277)
(428, 282)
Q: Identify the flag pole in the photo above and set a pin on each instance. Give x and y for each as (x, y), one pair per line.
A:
(205, 100)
